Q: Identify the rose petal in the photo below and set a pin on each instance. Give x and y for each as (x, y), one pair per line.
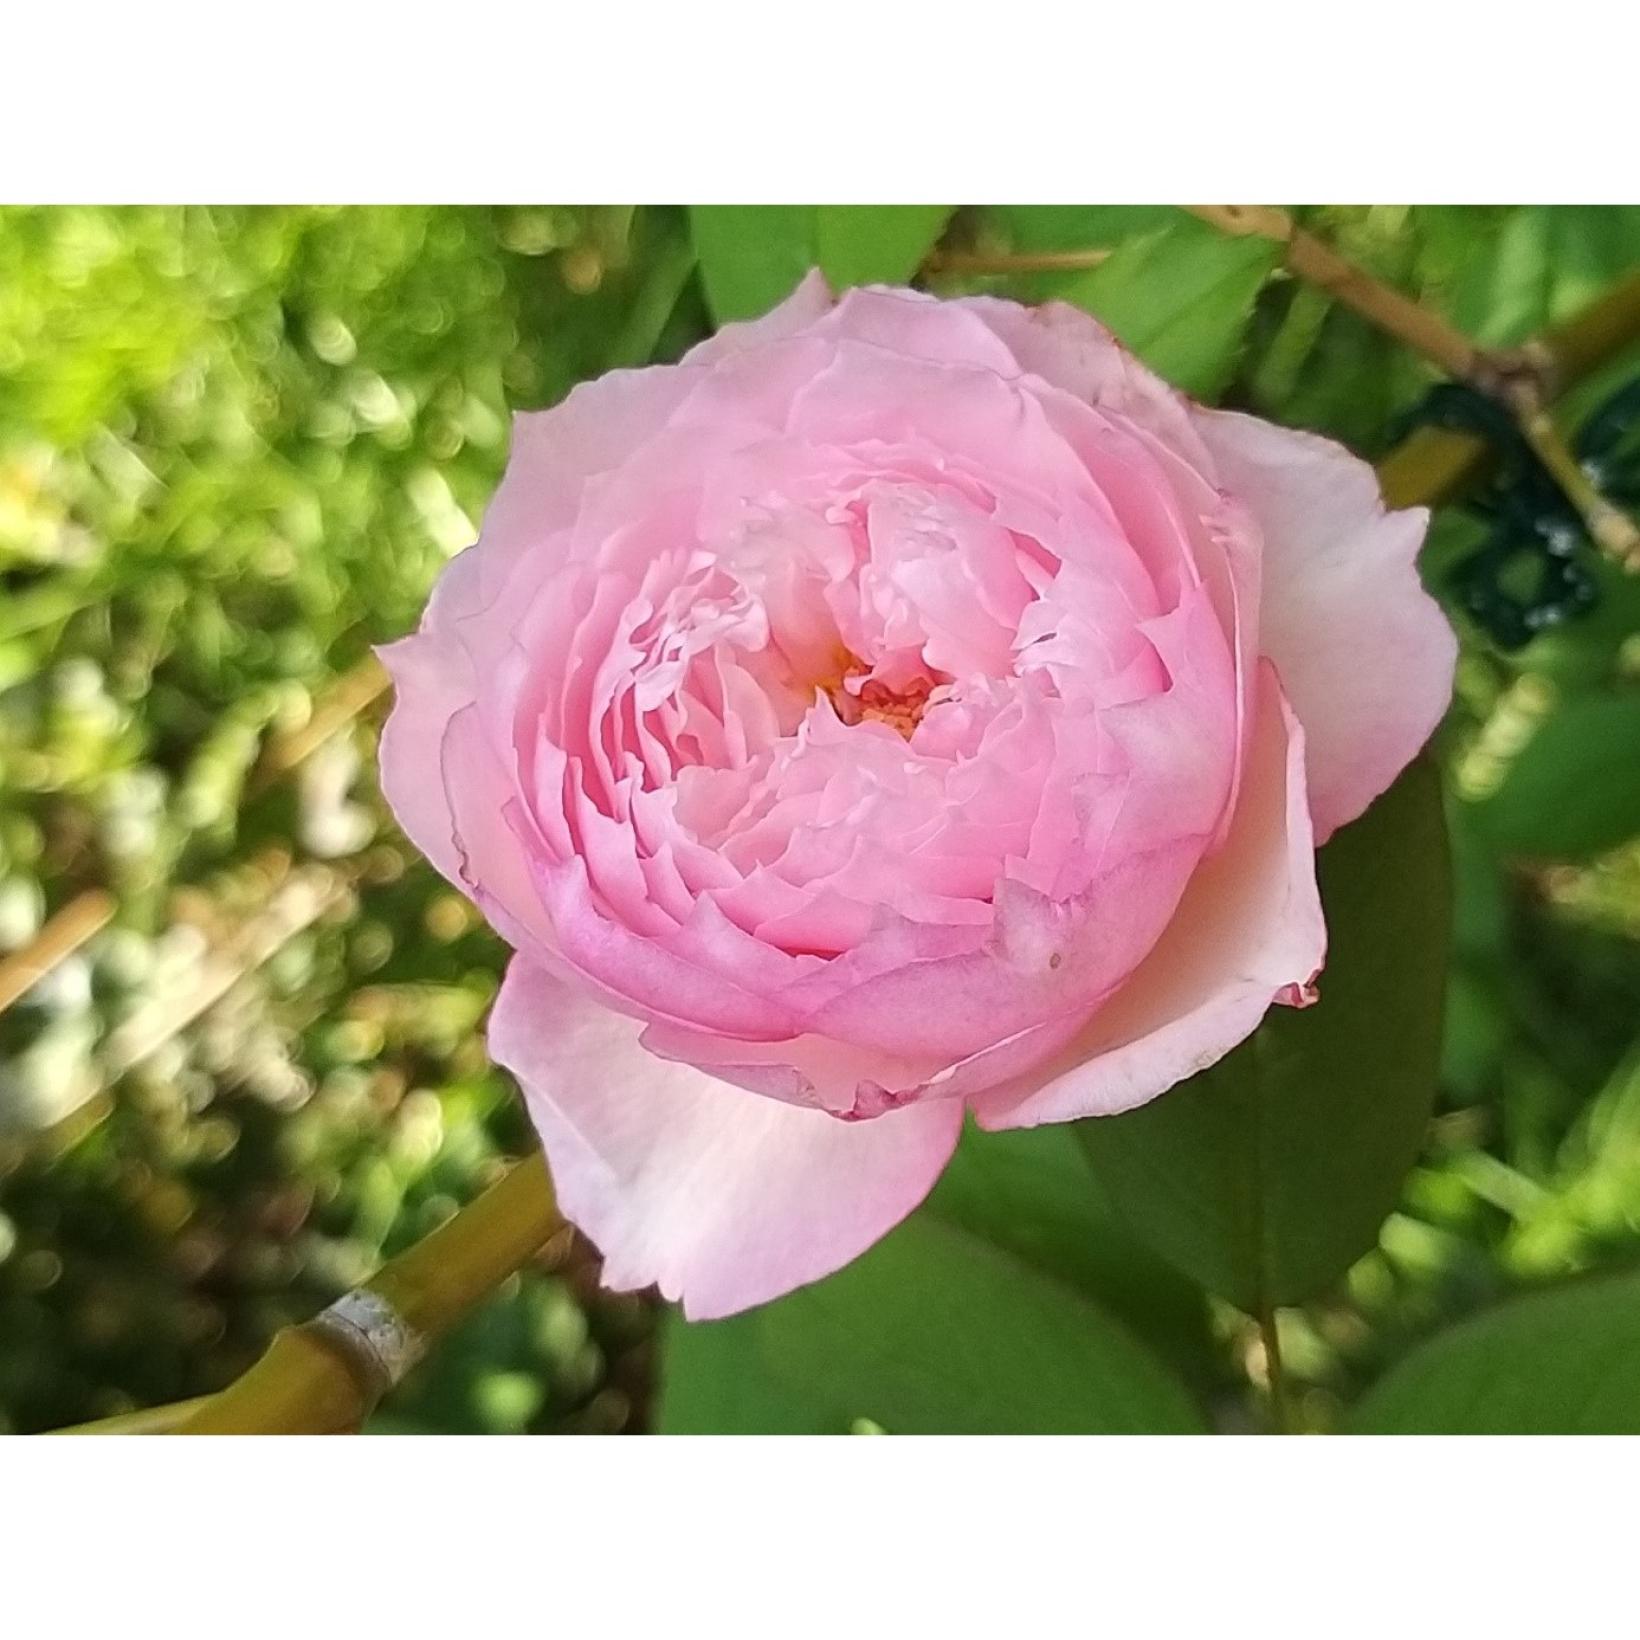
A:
(1365, 654)
(1072, 350)
(432, 682)
(1249, 926)
(721, 1198)
(811, 300)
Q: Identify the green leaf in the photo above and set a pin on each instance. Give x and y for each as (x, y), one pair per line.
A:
(936, 1332)
(1077, 227)
(751, 256)
(1181, 298)
(1564, 1361)
(875, 244)
(933, 1331)
(1032, 1192)
(652, 308)
(1529, 266)
(714, 1381)
(1574, 790)
(1268, 1175)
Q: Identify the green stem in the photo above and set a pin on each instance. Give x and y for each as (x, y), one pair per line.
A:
(1280, 1405)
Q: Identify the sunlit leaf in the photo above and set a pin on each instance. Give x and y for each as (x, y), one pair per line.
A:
(1180, 298)
(875, 244)
(751, 256)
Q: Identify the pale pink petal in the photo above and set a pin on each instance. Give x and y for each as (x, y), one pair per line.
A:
(811, 300)
(1365, 654)
(720, 1198)
(553, 453)
(917, 325)
(432, 682)
(1070, 348)
(1249, 927)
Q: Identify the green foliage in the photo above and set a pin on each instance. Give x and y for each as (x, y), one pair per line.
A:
(1015, 1236)
(1032, 1192)
(934, 1331)
(1560, 1362)
(236, 446)
(1181, 298)
(715, 1381)
(1547, 261)
(875, 244)
(752, 256)
(1268, 1175)
(1574, 789)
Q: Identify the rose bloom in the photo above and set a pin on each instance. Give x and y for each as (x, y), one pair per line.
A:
(897, 709)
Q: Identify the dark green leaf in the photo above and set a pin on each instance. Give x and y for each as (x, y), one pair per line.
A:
(933, 1331)
(715, 1382)
(751, 256)
(1266, 1176)
(875, 244)
(654, 304)
(1032, 1192)
(1181, 298)
(1565, 1361)
(1575, 788)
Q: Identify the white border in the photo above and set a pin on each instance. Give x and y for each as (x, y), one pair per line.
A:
(841, 1538)
(1285, 100)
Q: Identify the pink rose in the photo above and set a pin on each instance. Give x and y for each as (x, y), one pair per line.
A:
(898, 708)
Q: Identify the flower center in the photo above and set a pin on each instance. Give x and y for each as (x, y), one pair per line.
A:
(857, 695)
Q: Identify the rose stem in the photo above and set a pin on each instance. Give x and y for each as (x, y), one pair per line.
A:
(1515, 377)
(1435, 463)
(1317, 263)
(1275, 1372)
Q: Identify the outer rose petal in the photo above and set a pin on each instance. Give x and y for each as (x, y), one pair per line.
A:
(811, 301)
(722, 1198)
(432, 682)
(1072, 350)
(553, 453)
(1365, 654)
(1249, 926)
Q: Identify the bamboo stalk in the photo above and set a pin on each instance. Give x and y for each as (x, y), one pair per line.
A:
(149, 1421)
(310, 1383)
(351, 694)
(62, 935)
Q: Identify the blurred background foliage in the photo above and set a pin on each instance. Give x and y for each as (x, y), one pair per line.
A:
(236, 445)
